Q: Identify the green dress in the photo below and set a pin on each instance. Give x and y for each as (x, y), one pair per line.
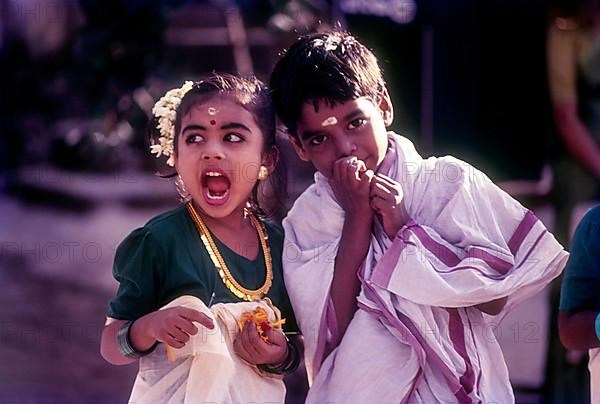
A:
(166, 259)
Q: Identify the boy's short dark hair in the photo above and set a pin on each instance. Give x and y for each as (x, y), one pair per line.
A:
(328, 66)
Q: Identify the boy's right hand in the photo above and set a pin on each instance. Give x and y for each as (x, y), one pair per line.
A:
(173, 326)
(350, 183)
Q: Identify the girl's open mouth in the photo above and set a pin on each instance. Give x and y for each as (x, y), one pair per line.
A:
(215, 186)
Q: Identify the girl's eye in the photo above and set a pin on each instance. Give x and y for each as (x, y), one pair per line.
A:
(233, 138)
(193, 139)
(357, 123)
(317, 140)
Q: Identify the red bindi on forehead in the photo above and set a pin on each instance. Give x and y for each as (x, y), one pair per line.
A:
(213, 122)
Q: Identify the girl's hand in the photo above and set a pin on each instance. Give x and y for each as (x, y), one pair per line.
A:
(387, 200)
(253, 349)
(173, 326)
(350, 185)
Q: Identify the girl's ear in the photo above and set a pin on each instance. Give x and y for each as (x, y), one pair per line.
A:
(298, 147)
(386, 108)
(271, 158)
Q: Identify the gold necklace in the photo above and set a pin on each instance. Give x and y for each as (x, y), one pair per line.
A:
(221, 266)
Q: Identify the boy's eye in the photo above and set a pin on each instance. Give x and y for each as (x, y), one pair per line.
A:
(233, 138)
(357, 123)
(317, 140)
(194, 139)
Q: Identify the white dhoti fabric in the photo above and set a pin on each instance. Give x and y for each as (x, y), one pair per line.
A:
(206, 370)
(416, 337)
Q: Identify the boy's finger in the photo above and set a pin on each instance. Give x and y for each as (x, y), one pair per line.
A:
(380, 191)
(387, 179)
(382, 181)
(335, 175)
(347, 167)
(368, 174)
(362, 167)
(359, 168)
(195, 315)
(379, 205)
(395, 189)
(352, 172)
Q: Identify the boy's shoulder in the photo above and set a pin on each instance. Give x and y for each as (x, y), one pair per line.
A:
(307, 199)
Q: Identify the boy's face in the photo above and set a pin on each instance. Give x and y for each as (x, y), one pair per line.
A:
(353, 128)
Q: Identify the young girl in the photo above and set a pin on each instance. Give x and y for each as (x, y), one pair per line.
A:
(201, 297)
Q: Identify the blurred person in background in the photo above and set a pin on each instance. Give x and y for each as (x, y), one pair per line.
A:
(573, 52)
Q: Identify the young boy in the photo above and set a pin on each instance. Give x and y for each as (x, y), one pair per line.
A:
(391, 260)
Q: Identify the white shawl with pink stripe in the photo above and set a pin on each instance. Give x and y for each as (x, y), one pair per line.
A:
(416, 336)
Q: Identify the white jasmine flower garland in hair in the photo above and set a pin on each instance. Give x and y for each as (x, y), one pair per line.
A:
(165, 111)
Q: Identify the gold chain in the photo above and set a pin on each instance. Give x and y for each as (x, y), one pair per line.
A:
(221, 266)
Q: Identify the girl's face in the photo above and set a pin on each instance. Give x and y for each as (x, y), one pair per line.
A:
(219, 152)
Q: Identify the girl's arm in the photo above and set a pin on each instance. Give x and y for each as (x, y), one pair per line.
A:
(140, 340)
(109, 348)
(172, 326)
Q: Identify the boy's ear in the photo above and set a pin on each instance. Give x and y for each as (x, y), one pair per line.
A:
(386, 108)
(300, 151)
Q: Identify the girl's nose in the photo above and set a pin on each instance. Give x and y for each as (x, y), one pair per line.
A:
(213, 153)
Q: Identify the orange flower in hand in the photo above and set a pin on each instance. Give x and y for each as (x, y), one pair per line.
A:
(260, 318)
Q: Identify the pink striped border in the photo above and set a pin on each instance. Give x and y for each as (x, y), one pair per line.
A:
(521, 232)
(457, 335)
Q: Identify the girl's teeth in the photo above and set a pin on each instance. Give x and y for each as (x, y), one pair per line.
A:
(216, 197)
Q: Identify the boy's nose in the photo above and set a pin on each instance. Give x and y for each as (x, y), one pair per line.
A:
(345, 147)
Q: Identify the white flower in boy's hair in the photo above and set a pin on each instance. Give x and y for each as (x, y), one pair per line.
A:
(165, 111)
(330, 44)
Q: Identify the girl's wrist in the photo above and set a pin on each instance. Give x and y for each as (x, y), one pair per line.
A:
(283, 358)
(126, 345)
(140, 335)
(288, 365)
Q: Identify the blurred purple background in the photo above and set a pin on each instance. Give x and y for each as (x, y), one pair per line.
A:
(79, 79)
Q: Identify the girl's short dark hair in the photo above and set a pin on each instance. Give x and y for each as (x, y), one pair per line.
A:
(331, 67)
(251, 94)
